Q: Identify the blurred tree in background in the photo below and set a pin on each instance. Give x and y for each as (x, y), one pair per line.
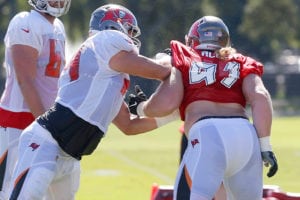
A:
(261, 29)
(271, 26)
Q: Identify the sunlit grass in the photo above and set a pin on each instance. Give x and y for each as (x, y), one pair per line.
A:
(125, 167)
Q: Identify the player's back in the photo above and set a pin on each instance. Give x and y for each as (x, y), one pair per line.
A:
(208, 78)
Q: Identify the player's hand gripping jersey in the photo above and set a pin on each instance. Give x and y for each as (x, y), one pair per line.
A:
(206, 77)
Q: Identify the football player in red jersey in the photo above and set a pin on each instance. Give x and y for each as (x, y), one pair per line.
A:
(211, 84)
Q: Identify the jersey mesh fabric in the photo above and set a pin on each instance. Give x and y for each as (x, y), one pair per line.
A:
(205, 77)
(89, 87)
(32, 29)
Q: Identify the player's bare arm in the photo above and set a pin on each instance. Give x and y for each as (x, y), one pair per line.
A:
(133, 125)
(259, 99)
(166, 98)
(25, 60)
(138, 65)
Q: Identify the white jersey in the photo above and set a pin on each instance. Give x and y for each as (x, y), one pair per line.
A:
(88, 86)
(32, 29)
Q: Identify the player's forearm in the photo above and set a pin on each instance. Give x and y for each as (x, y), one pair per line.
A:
(167, 98)
(155, 109)
(262, 115)
(151, 69)
(140, 125)
(32, 98)
(138, 65)
(136, 125)
(132, 125)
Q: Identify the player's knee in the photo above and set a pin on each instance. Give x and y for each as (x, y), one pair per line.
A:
(195, 196)
(35, 185)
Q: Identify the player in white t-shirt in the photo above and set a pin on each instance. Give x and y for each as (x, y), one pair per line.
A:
(91, 95)
(34, 58)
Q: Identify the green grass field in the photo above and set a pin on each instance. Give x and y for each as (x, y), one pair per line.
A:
(125, 167)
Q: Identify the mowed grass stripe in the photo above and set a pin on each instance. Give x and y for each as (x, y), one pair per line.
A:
(131, 162)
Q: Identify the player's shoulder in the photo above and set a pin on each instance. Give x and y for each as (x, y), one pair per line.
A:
(180, 48)
(248, 63)
(245, 59)
(177, 45)
(117, 36)
(26, 18)
(114, 39)
(109, 36)
(20, 17)
(181, 54)
(19, 21)
(238, 57)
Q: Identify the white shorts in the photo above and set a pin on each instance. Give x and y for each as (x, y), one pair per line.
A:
(43, 170)
(221, 149)
(9, 138)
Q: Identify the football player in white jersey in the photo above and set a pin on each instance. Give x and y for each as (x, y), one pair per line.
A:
(91, 95)
(34, 58)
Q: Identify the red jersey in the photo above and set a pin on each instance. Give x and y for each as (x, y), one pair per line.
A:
(206, 77)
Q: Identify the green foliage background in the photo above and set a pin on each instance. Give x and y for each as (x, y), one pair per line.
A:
(260, 28)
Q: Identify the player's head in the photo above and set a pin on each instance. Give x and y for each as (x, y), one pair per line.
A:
(114, 17)
(55, 8)
(208, 32)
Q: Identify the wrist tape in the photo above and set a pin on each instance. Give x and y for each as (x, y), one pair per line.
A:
(160, 121)
(265, 144)
(140, 109)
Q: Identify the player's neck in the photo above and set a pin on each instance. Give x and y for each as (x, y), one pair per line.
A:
(50, 18)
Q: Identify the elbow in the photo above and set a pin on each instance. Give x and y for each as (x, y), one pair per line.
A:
(124, 128)
(264, 94)
(128, 130)
(164, 74)
(261, 97)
